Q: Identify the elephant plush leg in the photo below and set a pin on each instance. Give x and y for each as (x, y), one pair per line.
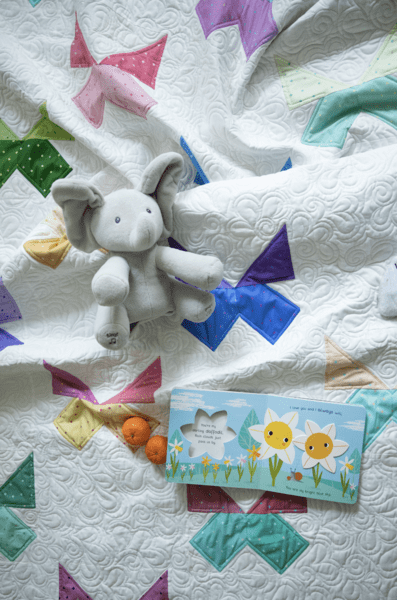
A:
(112, 326)
(192, 304)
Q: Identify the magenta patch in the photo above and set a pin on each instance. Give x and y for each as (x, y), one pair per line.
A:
(68, 588)
(214, 499)
(158, 591)
(142, 388)
(111, 79)
(9, 310)
(65, 384)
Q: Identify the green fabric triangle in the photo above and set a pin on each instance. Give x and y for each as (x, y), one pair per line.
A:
(385, 62)
(6, 133)
(45, 129)
(18, 491)
(301, 87)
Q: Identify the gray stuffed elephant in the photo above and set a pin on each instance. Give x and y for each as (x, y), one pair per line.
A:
(137, 283)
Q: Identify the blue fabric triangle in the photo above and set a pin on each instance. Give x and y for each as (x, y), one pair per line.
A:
(6, 339)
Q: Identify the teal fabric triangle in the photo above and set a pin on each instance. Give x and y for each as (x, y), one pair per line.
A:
(18, 491)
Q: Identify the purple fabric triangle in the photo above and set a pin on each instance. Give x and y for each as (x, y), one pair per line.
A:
(274, 264)
(68, 588)
(6, 339)
(158, 591)
(176, 245)
(65, 384)
(9, 310)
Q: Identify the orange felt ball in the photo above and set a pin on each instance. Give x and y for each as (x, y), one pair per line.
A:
(156, 449)
(136, 431)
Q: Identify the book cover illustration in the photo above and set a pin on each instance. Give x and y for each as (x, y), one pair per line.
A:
(291, 446)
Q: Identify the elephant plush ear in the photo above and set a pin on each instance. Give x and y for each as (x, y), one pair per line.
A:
(78, 200)
(160, 180)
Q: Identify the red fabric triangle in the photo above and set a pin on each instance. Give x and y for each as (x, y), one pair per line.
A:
(142, 388)
(143, 64)
(68, 588)
(79, 54)
(209, 498)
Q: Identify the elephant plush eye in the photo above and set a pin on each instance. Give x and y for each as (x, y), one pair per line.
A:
(148, 210)
(117, 219)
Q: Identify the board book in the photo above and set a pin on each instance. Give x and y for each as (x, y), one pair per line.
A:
(291, 446)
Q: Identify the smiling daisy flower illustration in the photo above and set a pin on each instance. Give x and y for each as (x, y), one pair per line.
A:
(275, 437)
(320, 448)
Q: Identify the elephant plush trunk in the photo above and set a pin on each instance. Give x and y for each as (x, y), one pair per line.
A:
(144, 235)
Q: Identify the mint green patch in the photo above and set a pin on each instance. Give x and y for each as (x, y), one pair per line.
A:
(335, 114)
(301, 86)
(15, 536)
(381, 407)
(385, 62)
(18, 490)
(225, 535)
(45, 129)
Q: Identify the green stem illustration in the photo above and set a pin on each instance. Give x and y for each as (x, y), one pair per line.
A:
(182, 475)
(352, 494)
(215, 475)
(191, 474)
(252, 468)
(174, 465)
(345, 483)
(316, 476)
(275, 468)
(228, 470)
(240, 472)
(206, 470)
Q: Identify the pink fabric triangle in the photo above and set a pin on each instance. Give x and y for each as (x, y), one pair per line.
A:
(143, 64)
(158, 591)
(110, 83)
(65, 384)
(68, 588)
(142, 388)
(80, 56)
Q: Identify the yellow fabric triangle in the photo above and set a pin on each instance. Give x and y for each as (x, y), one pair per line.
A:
(344, 373)
(49, 252)
(81, 419)
(385, 62)
(301, 87)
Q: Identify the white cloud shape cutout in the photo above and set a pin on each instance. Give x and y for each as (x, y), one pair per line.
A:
(355, 425)
(189, 401)
(237, 403)
(208, 434)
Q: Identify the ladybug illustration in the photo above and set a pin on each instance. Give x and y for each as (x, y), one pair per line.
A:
(295, 475)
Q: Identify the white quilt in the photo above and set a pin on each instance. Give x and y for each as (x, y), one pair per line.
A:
(107, 515)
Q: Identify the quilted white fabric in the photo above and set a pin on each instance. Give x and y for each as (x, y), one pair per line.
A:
(107, 515)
